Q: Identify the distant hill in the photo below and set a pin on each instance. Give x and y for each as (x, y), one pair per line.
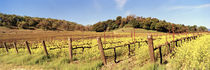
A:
(147, 23)
(27, 22)
(208, 29)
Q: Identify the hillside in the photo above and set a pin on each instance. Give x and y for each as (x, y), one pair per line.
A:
(137, 30)
(145, 23)
(27, 22)
(148, 23)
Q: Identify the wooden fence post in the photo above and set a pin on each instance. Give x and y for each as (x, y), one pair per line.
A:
(29, 51)
(100, 47)
(15, 45)
(115, 55)
(5, 45)
(70, 49)
(45, 49)
(161, 59)
(129, 49)
(151, 48)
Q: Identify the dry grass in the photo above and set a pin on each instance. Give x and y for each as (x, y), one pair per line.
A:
(9, 35)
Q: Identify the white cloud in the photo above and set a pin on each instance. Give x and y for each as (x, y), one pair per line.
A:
(203, 6)
(190, 7)
(120, 3)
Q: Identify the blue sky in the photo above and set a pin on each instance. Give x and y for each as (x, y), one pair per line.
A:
(188, 12)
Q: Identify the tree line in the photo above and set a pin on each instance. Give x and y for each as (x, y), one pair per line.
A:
(26, 22)
(145, 23)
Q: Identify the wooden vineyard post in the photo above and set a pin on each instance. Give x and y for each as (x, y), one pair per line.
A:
(29, 50)
(5, 45)
(176, 43)
(45, 49)
(115, 55)
(139, 44)
(129, 49)
(15, 45)
(100, 47)
(151, 48)
(70, 49)
(161, 59)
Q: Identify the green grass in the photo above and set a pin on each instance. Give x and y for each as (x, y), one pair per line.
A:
(47, 62)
